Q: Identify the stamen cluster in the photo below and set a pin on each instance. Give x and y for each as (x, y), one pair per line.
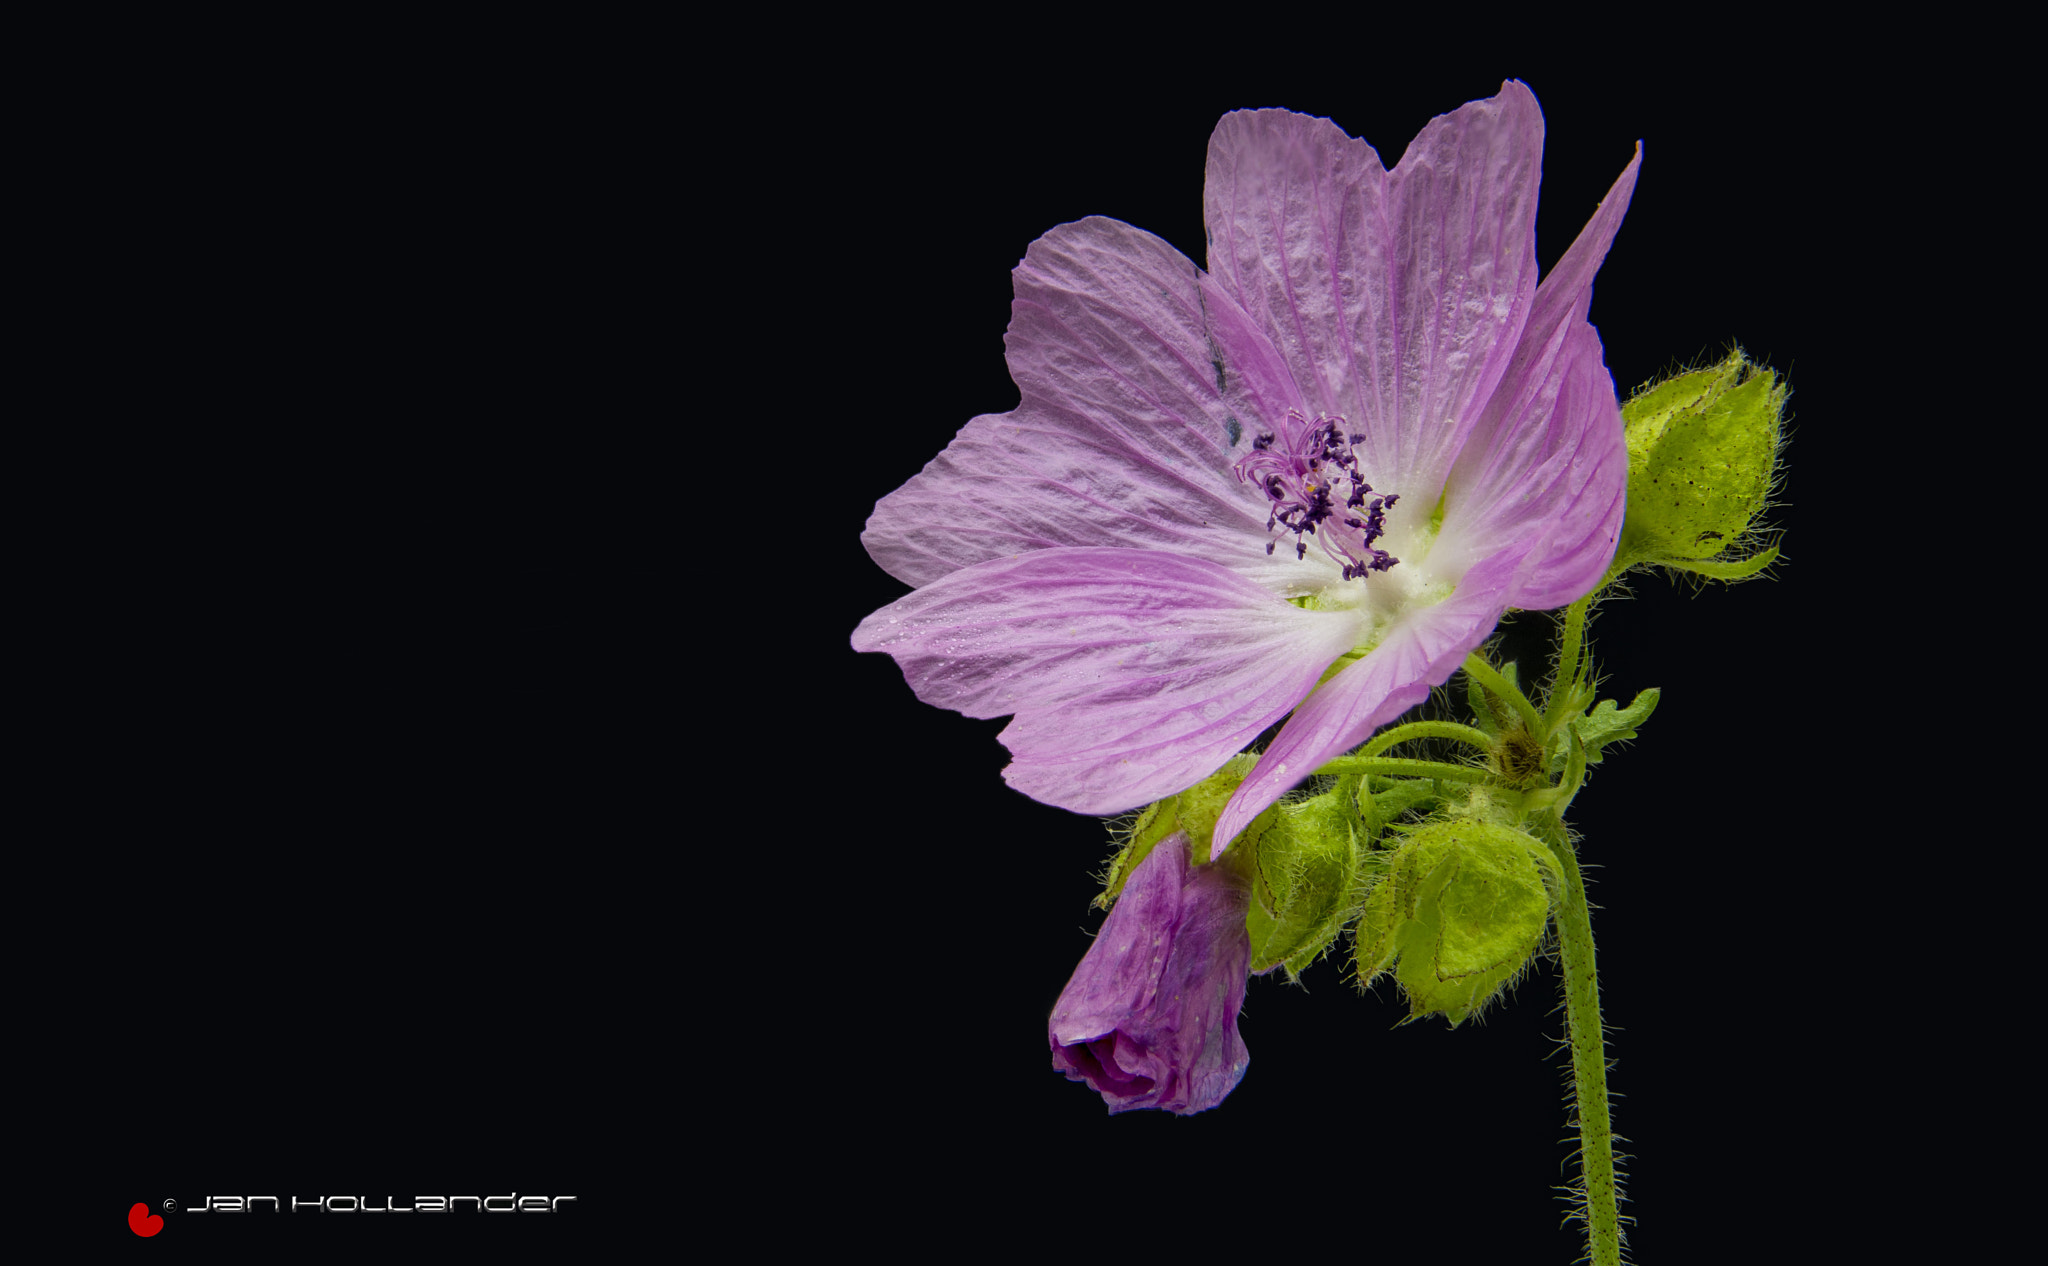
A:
(1309, 472)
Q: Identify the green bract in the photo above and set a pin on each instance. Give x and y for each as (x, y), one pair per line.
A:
(1461, 911)
(1701, 449)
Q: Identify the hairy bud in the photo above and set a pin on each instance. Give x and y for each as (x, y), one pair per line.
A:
(1701, 451)
(1460, 912)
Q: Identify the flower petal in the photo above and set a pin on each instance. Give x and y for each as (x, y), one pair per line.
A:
(1396, 299)
(1547, 454)
(1150, 1017)
(1201, 993)
(1133, 674)
(1141, 385)
(1119, 976)
(1418, 652)
(1577, 495)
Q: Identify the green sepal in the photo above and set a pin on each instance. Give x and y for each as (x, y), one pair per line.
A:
(1741, 569)
(1461, 911)
(1194, 811)
(1374, 946)
(1304, 876)
(1701, 451)
(1155, 823)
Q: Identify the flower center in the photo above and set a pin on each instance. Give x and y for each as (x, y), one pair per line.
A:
(1310, 474)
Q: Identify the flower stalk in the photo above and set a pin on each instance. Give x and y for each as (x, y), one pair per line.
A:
(1571, 644)
(1390, 739)
(1530, 808)
(1396, 767)
(1600, 1189)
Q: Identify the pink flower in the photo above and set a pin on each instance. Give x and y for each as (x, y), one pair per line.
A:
(1361, 436)
(1149, 1019)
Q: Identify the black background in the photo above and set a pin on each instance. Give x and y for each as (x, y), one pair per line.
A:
(498, 805)
(368, 746)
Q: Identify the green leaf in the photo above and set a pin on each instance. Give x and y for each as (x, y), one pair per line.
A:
(1607, 723)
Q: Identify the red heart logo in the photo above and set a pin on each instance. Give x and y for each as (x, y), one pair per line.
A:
(143, 1222)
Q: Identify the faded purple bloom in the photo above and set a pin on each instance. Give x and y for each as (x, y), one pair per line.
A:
(1150, 1018)
(1361, 436)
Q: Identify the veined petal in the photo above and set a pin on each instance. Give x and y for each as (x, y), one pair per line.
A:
(1149, 1019)
(1421, 650)
(1122, 969)
(1141, 385)
(1557, 482)
(1547, 454)
(1588, 489)
(1397, 299)
(1133, 674)
(1295, 214)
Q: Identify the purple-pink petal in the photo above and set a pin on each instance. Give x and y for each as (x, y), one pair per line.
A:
(1123, 437)
(1582, 482)
(1149, 1019)
(1132, 674)
(1554, 482)
(1094, 563)
(1396, 297)
(1421, 650)
(1546, 458)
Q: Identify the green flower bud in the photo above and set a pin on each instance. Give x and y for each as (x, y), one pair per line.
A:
(1304, 872)
(1701, 451)
(1460, 912)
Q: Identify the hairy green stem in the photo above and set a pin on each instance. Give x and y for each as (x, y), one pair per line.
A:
(1589, 1047)
(1427, 729)
(1395, 767)
(1570, 646)
(1505, 690)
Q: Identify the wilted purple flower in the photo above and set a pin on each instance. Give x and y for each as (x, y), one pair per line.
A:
(1150, 1018)
(1369, 379)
